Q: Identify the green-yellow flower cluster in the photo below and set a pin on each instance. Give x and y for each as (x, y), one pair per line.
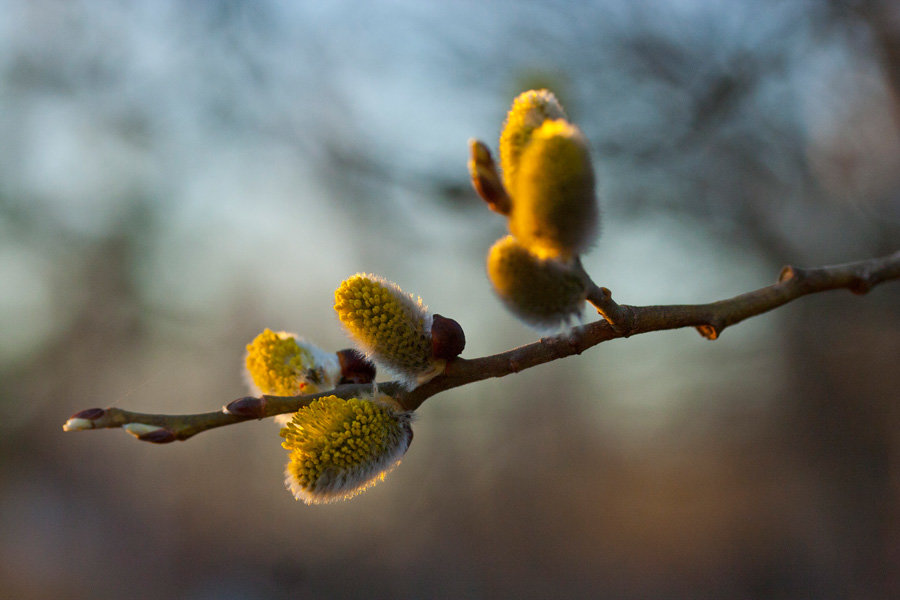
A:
(554, 211)
(339, 447)
(391, 326)
(529, 111)
(541, 292)
(281, 364)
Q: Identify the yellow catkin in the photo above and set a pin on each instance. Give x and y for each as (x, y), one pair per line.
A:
(544, 293)
(554, 211)
(277, 364)
(529, 110)
(391, 326)
(339, 447)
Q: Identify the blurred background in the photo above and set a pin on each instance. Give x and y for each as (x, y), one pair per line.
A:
(176, 176)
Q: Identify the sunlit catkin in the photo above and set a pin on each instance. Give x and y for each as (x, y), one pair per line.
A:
(283, 364)
(528, 112)
(554, 210)
(339, 447)
(545, 293)
(391, 326)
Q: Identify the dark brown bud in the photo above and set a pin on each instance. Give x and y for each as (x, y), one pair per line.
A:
(90, 414)
(159, 436)
(355, 367)
(248, 407)
(447, 338)
(408, 428)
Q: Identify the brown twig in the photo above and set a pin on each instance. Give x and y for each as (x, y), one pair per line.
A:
(619, 321)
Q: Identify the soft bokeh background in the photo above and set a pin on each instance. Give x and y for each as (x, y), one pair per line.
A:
(176, 176)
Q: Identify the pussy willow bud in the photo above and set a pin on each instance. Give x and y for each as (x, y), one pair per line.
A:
(355, 367)
(486, 179)
(448, 339)
(83, 420)
(248, 407)
(149, 433)
(339, 447)
(529, 110)
(545, 293)
(282, 364)
(554, 209)
(390, 326)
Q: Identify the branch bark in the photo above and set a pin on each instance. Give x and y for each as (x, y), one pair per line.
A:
(619, 321)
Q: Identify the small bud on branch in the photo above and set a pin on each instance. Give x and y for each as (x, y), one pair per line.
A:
(83, 420)
(485, 178)
(355, 367)
(149, 433)
(447, 338)
(247, 407)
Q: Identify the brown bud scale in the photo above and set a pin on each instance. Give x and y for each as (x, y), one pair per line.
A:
(448, 339)
(90, 414)
(248, 407)
(355, 367)
(159, 436)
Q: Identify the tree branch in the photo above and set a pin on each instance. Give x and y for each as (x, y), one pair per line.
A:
(619, 321)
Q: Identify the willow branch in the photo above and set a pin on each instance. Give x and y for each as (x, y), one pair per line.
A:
(618, 321)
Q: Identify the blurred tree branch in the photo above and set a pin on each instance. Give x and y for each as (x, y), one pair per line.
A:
(619, 321)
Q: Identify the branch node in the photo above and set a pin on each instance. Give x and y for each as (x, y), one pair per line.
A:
(620, 317)
(787, 273)
(795, 274)
(709, 331)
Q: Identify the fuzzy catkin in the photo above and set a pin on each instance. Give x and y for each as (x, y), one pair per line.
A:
(554, 211)
(340, 447)
(528, 111)
(283, 364)
(389, 325)
(543, 292)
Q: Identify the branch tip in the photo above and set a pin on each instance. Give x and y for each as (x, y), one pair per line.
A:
(83, 420)
(75, 424)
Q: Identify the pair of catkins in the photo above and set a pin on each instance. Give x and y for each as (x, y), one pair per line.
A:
(338, 446)
(547, 192)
